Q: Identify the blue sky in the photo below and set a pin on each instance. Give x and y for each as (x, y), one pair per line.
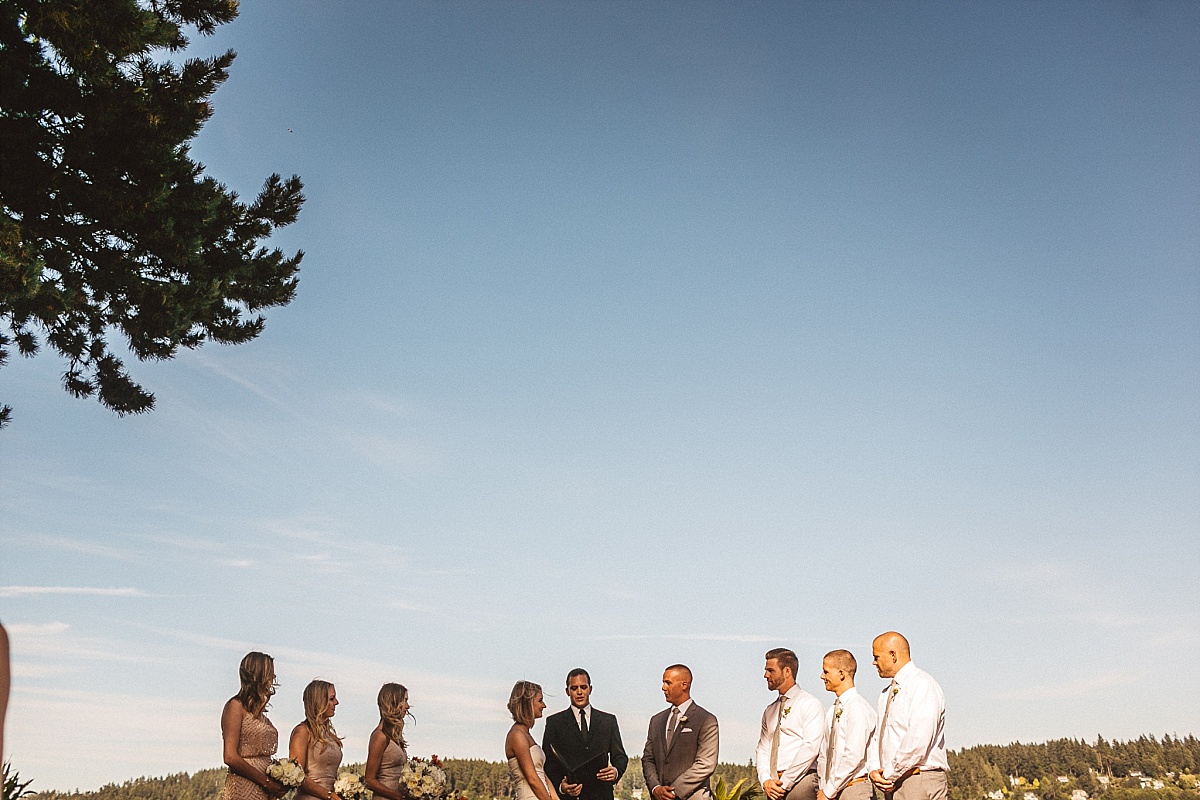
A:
(630, 334)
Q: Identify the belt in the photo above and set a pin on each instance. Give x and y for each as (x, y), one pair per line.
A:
(919, 770)
(812, 771)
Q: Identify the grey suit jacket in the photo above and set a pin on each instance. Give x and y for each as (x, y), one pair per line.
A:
(691, 759)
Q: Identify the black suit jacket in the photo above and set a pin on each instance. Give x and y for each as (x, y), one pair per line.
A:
(563, 741)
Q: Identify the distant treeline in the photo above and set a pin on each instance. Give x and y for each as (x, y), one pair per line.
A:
(1143, 769)
(1116, 770)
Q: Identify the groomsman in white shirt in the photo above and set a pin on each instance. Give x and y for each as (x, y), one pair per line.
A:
(908, 761)
(792, 728)
(849, 733)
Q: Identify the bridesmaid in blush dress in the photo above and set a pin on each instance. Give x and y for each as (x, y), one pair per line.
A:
(249, 737)
(315, 745)
(386, 754)
(526, 761)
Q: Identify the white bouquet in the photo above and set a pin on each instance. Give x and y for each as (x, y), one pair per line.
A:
(286, 771)
(424, 780)
(349, 786)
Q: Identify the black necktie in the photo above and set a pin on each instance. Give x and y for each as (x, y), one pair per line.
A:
(583, 722)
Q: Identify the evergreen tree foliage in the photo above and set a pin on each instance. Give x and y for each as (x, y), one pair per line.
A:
(975, 773)
(108, 227)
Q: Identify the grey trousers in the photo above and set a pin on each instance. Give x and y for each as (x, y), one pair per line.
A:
(860, 791)
(922, 786)
(803, 789)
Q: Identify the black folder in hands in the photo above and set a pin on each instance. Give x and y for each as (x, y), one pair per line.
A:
(586, 768)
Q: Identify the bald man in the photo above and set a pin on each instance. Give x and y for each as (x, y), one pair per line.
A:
(909, 759)
(681, 745)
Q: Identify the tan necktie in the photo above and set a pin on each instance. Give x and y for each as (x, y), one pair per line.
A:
(887, 709)
(832, 747)
(775, 737)
(672, 725)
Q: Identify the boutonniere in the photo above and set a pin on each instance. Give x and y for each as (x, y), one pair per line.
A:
(786, 710)
(838, 713)
(683, 719)
(895, 691)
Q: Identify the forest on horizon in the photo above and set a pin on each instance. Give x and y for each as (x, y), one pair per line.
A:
(1146, 768)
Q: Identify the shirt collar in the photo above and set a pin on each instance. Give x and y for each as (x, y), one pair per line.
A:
(791, 693)
(905, 673)
(684, 706)
(848, 694)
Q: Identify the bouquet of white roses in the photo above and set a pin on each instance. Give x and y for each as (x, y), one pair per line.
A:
(286, 771)
(424, 780)
(349, 786)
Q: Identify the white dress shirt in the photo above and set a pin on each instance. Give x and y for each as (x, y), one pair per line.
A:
(853, 737)
(585, 712)
(800, 732)
(915, 735)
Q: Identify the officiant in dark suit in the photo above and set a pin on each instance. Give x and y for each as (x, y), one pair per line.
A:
(584, 755)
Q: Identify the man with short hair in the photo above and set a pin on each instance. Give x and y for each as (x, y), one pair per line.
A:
(681, 745)
(908, 761)
(789, 741)
(584, 755)
(849, 733)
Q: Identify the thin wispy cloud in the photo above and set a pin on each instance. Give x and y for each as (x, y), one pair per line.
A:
(229, 374)
(379, 402)
(391, 451)
(69, 653)
(188, 543)
(83, 546)
(689, 637)
(34, 629)
(401, 605)
(1086, 687)
(25, 591)
(325, 563)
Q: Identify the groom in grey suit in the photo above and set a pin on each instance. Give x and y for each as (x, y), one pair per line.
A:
(681, 745)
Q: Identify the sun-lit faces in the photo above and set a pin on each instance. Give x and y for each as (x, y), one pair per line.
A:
(832, 676)
(776, 674)
(331, 704)
(539, 705)
(675, 686)
(579, 690)
(885, 660)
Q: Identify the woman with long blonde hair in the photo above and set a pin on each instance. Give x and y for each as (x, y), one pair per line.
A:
(249, 737)
(315, 745)
(526, 761)
(386, 753)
